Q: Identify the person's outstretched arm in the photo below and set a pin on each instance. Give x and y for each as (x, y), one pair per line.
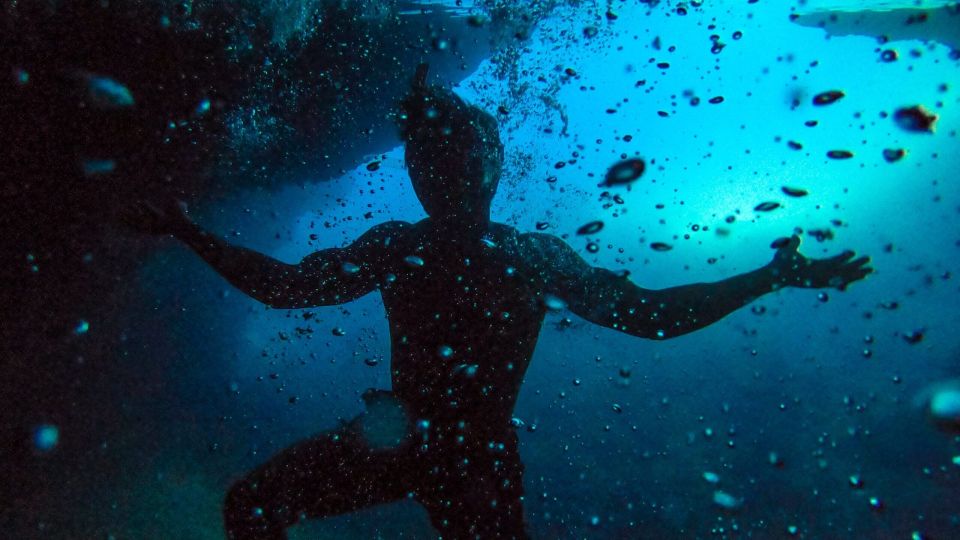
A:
(330, 276)
(608, 299)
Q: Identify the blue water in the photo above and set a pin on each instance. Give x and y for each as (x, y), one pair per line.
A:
(206, 383)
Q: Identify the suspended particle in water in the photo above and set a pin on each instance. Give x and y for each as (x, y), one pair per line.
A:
(373, 166)
(445, 351)
(106, 93)
(891, 155)
(839, 154)
(592, 247)
(727, 501)
(590, 31)
(913, 337)
(768, 206)
(339, 332)
(21, 77)
(93, 167)
(915, 119)
(46, 437)
(793, 192)
(371, 361)
(82, 328)
(414, 261)
(716, 99)
(624, 172)
(889, 55)
(660, 246)
(794, 145)
(542, 225)
(828, 97)
(590, 228)
(202, 108)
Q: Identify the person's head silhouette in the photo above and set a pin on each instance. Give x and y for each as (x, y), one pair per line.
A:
(453, 153)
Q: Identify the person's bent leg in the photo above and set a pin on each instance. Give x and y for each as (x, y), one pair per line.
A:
(333, 473)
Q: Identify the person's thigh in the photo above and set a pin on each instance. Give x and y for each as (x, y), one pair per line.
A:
(478, 494)
(332, 473)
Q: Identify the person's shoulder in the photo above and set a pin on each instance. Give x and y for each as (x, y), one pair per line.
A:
(389, 228)
(534, 246)
(542, 243)
(386, 233)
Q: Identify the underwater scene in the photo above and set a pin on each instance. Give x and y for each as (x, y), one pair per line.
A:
(549, 269)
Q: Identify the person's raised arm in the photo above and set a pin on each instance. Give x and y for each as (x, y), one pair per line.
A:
(330, 276)
(608, 299)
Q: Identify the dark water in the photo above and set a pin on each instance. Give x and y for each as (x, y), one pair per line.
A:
(137, 385)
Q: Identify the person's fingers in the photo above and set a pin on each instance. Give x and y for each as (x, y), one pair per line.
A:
(860, 261)
(793, 244)
(843, 257)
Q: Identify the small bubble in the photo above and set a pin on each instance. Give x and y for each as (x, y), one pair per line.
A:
(82, 328)
(590, 228)
(828, 97)
(839, 154)
(554, 303)
(46, 437)
(766, 206)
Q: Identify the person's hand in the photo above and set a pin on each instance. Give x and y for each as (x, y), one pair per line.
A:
(793, 269)
(147, 217)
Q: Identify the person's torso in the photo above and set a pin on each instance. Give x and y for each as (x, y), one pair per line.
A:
(464, 320)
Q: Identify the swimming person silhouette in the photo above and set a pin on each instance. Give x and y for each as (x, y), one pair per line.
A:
(465, 298)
